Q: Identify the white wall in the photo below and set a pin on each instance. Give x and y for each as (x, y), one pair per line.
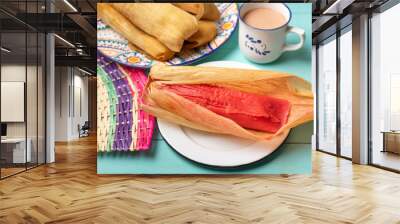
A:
(79, 117)
(70, 84)
(16, 73)
(9, 73)
(13, 72)
(62, 82)
(34, 125)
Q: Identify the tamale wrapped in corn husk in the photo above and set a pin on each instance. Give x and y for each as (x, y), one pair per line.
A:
(211, 12)
(137, 37)
(207, 32)
(204, 11)
(196, 9)
(165, 104)
(164, 21)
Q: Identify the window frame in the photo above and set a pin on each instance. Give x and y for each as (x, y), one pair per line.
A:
(333, 37)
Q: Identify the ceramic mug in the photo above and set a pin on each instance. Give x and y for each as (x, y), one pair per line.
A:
(266, 45)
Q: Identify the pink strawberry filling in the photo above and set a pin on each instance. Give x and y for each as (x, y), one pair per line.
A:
(252, 111)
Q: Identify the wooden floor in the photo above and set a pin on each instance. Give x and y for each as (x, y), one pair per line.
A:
(387, 159)
(10, 171)
(70, 191)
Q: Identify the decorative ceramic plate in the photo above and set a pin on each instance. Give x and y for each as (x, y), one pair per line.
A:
(115, 47)
(217, 149)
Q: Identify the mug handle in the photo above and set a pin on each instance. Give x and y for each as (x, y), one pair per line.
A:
(300, 33)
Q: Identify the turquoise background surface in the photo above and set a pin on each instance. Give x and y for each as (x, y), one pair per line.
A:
(292, 157)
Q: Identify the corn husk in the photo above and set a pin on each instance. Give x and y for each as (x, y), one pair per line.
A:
(164, 21)
(204, 11)
(137, 37)
(207, 32)
(171, 107)
(211, 12)
(196, 9)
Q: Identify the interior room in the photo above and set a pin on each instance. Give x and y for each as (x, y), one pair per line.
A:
(384, 91)
(22, 102)
(333, 55)
(49, 128)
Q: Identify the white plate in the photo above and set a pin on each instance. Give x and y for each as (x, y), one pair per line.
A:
(215, 149)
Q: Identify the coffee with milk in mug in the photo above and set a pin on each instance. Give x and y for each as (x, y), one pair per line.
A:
(262, 31)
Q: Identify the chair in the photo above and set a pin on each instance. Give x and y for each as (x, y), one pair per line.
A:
(84, 130)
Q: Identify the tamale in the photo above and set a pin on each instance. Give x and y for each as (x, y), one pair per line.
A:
(204, 11)
(173, 107)
(211, 12)
(207, 32)
(123, 26)
(164, 21)
(249, 110)
(196, 9)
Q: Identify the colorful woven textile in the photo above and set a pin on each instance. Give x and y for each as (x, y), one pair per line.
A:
(122, 125)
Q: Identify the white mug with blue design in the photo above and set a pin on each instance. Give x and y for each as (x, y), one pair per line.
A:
(267, 45)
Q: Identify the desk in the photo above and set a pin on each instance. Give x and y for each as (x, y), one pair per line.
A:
(391, 141)
(15, 148)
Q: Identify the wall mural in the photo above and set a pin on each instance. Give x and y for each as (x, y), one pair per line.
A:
(216, 111)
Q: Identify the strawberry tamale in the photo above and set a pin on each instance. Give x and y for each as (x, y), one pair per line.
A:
(249, 110)
(253, 104)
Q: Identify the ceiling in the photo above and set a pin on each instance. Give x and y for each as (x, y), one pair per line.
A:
(332, 15)
(72, 20)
